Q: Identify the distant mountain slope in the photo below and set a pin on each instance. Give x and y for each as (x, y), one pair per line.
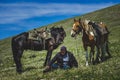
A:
(107, 70)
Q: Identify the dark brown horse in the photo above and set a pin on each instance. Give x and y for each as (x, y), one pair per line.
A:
(91, 37)
(21, 43)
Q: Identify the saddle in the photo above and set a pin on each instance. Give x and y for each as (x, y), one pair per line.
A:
(40, 36)
(32, 36)
(99, 28)
(95, 29)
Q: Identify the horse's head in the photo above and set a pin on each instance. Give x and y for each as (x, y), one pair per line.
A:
(82, 25)
(58, 34)
(76, 29)
(62, 32)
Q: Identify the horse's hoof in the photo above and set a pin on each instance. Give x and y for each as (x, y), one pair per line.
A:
(110, 56)
(96, 61)
(102, 59)
(19, 71)
(44, 65)
(87, 64)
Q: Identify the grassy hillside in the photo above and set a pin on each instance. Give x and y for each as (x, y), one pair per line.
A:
(33, 66)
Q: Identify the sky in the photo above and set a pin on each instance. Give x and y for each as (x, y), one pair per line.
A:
(17, 16)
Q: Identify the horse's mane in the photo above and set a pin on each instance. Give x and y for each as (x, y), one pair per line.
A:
(57, 29)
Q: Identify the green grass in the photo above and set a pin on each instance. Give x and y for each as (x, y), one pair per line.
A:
(33, 60)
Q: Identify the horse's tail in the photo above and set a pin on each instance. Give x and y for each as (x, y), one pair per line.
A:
(13, 45)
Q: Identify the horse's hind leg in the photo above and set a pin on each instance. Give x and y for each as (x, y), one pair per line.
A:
(106, 45)
(17, 58)
(103, 50)
(107, 49)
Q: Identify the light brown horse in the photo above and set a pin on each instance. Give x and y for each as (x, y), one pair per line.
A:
(90, 38)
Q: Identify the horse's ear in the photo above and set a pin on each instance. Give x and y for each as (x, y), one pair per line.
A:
(53, 27)
(75, 20)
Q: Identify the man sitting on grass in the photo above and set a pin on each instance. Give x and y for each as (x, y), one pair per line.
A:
(63, 59)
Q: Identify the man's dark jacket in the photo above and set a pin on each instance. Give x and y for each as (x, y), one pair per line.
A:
(59, 59)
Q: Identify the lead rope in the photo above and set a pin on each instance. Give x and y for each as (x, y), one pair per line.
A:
(77, 49)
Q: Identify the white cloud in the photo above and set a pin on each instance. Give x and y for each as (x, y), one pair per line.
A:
(11, 13)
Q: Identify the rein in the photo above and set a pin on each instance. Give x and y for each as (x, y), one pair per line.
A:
(76, 48)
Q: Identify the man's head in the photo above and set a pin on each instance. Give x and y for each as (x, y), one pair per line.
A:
(63, 50)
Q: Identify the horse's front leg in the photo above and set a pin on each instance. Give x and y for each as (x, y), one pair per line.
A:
(92, 55)
(98, 54)
(86, 58)
(48, 57)
(86, 54)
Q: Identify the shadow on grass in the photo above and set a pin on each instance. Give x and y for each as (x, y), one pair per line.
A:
(102, 60)
(29, 68)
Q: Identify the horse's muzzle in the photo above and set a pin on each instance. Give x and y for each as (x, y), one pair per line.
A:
(60, 41)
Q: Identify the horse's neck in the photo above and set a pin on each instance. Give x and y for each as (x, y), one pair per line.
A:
(84, 34)
(85, 38)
